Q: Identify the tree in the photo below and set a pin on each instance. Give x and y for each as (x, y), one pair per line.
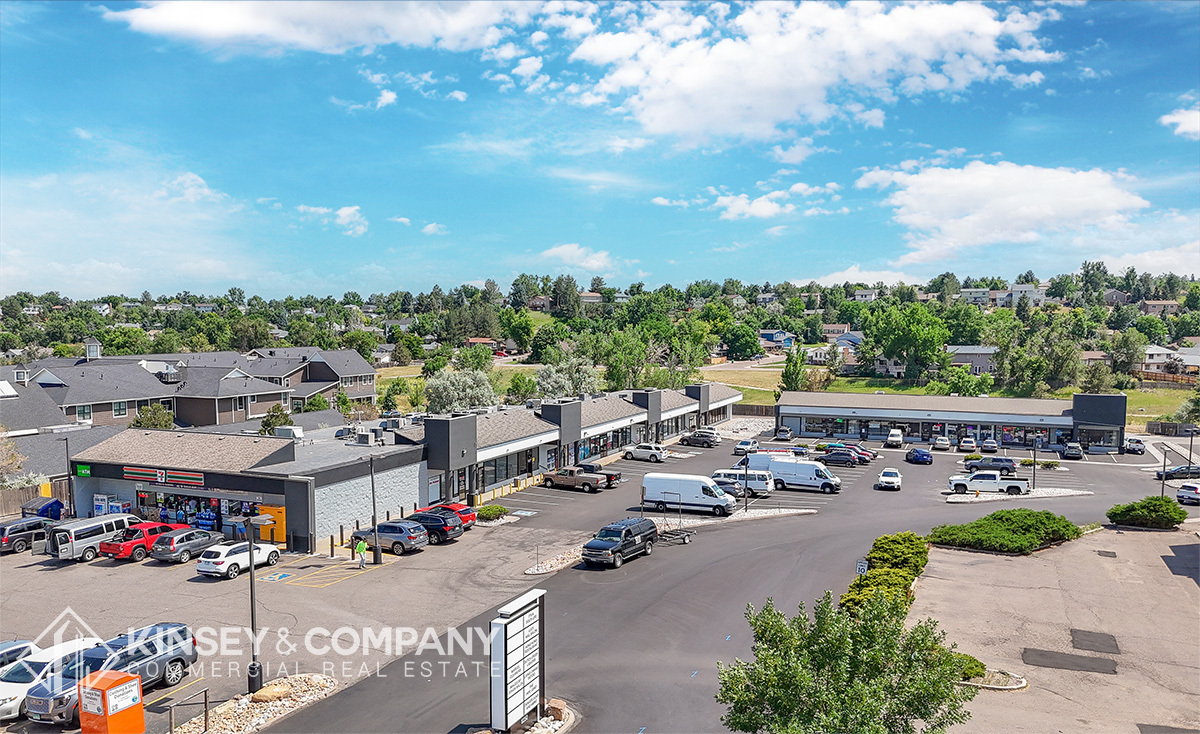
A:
(545, 347)
(597, 284)
(565, 291)
(576, 376)
(792, 378)
(1189, 412)
(1097, 378)
(276, 416)
(478, 357)
(1173, 365)
(524, 287)
(1027, 278)
(166, 341)
(236, 296)
(316, 403)
(363, 342)
(1128, 351)
(1192, 300)
(11, 460)
(249, 333)
(843, 672)
(1024, 309)
(1153, 328)
(741, 342)
(522, 387)
(910, 334)
(451, 391)
(154, 416)
(517, 324)
(342, 401)
(124, 340)
(400, 355)
(416, 393)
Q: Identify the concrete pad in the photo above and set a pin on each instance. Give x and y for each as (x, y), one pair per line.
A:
(994, 607)
(1095, 641)
(1067, 661)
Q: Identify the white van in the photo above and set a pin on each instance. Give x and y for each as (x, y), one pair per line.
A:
(759, 482)
(794, 474)
(80, 539)
(687, 491)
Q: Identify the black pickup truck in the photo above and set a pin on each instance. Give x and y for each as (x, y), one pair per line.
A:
(612, 477)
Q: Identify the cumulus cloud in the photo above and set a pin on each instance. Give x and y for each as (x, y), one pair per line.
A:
(948, 210)
(313, 211)
(457, 95)
(578, 257)
(1185, 257)
(620, 145)
(400, 220)
(433, 228)
(386, 97)
(663, 201)
(528, 67)
(855, 274)
(351, 220)
(189, 187)
(742, 206)
(1186, 122)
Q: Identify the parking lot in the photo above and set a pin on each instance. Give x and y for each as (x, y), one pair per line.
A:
(451, 584)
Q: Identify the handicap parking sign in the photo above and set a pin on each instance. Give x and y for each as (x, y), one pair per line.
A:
(525, 513)
(277, 576)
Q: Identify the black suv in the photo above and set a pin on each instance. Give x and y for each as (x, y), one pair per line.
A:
(441, 527)
(18, 535)
(620, 540)
(1002, 464)
(840, 457)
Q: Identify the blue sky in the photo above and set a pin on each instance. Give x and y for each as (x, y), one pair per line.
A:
(321, 147)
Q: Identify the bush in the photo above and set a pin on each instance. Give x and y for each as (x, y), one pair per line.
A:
(972, 457)
(971, 667)
(893, 582)
(1048, 464)
(1152, 512)
(1009, 531)
(905, 551)
(1027, 462)
(821, 446)
(490, 513)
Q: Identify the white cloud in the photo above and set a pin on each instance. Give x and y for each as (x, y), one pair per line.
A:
(596, 179)
(328, 27)
(620, 145)
(503, 52)
(663, 201)
(538, 38)
(776, 231)
(576, 256)
(386, 97)
(797, 152)
(949, 210)
(1186, 122)
(82, 134)
(528, 67)
(457, 95)
(433, 228)
(817, 211)
(491, 147)
(1184, 258)
(400, 220)
(189, 187)
(351, 220)
(764, 207)
(804, 189)
(314, 211)
(855, 274)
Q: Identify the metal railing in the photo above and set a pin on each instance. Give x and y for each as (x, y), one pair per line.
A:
(171, 709)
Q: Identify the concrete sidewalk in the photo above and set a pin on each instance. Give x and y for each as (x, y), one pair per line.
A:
(1146, 596)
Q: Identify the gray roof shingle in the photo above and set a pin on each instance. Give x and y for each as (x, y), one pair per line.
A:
(598, 411)
(103, 382)
(187, 450)
(222, 382)
(46, 453)
(346, 362)
(493, 429)
(31, 407)
(672, 400)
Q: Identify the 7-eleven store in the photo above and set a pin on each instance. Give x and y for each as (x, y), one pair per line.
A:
(170, 495)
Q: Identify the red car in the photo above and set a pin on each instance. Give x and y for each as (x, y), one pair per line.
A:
(466, 514)
(136, 541)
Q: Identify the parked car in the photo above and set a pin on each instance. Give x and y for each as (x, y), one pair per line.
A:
(465, 513)
(1179, 472)
(441, 528)
(862, 456)
(619, 541)
(730, 486)
(14, 650)
(759, 482)
(181, 546)
(685, 491)
(17, 678)
(161, 652)
(968, 445)
(889, 479)
(398, 536)
(705, 437)
(790, 473)
(1188, 494)
(871, 453)
(1135, 446)
(80, 539)
(575, 477)
(230, 558)
(745, 446)
(840, 457)
(136, 541)
(612, 477)
(1002, 464)
(19, 535)
(987, 481)
(918, 456)
(1072, 451)
(784, 433)
(941, 443)
(989, 446)
(895, 438)
(652, 452)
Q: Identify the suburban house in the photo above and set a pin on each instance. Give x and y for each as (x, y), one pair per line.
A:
(806, 296)
(32, 309)
(1156, 358)
(764, 298)
(889, 367)
(478, 340)
(104, 309)
(1035, 293)
(206, 308)
(977, 359)
(1090, 357)
(975, 296)
(586, 297)
(540, 303)
(776, 339)
(1114, 297)
(310, 371)
(392, 325)
(848, 340)
(833, 331)
(1159, 308)
(736, 301)
(866, 295)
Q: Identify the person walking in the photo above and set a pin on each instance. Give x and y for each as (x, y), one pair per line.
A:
(361, 549)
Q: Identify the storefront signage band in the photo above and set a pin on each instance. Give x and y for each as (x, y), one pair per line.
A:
(164, 476)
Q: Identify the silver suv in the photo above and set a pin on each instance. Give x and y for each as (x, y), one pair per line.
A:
(651, 452)
(398, 536)
(160, 652)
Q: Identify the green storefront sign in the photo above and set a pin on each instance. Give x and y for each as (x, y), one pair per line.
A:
(83, 470)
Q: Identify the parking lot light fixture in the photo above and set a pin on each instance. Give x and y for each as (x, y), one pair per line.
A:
(377, 555)
(254, 673)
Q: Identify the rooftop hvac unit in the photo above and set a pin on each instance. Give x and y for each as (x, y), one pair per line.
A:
(363, 437)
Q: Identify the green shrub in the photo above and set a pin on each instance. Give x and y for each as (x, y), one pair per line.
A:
(905, 551)
(972, 457)
(1152, 512)
(971, 667)
(489, 513)
(1010, 531)
(1048, 464)
(821, 446)
(892, 582)
(1027, 462)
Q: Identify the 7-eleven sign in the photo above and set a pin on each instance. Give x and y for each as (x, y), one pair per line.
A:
(163, 476)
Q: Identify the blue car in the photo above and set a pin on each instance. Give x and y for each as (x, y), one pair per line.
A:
(919, 456)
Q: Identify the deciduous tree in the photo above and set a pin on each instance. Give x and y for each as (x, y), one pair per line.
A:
(153, 415)
(276, 416)
(451, 391)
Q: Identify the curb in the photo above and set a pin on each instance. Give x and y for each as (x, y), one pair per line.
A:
(1136, 529)
(1015, 687)
(997, 553)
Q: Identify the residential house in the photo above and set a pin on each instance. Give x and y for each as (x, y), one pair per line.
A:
(1090, 357)
(1035, 293)
(130, 304)
(776, 339)
(889, 367)
(978, 359)
(866, 295)
(621, 297)
(736, 301)
(382, 356)
(477, 340)
(832, 331)
(975, 296)
(586, 297)
(104, 309)
(849, 340)
(32, 309)
(806, 296)
(1114, 297)
(278, 333)
(540, 303)
(1000, 298)
(923, 297)
(392, 325)
(1159, 308)
(1156, 358)
(168, 307)
(206, 308)
(765, 298)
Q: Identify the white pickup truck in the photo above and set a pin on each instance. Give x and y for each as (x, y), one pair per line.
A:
(987, 481)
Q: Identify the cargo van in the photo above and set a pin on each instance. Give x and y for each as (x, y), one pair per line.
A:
(686, 491)
(79, 540)
(758, 482)
(794, 474)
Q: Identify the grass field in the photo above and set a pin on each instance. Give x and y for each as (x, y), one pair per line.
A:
(539, 318)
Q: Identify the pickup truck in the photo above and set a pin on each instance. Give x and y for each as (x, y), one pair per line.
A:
(136, 540)
(573, 476)
(987, 481)
(613, 477)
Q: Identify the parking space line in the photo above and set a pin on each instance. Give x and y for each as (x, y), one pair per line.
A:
(522, 499)
(331, 575)
(172, 692)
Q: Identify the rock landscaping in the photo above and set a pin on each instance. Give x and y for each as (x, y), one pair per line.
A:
(253, 712)
(1040, 493)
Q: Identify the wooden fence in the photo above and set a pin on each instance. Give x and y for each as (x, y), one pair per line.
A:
(762, 411)
(12, 499)
(1165, 377)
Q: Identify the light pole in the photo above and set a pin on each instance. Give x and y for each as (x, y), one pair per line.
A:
(377, 556)
(254, 675)
(1162, 476)
(70, 479)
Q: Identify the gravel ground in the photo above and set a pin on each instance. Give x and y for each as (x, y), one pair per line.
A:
(497, 523)
(243, 716)
(1040, 493)
(746, 426)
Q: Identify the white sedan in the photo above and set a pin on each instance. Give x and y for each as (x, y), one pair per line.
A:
(889, 479)
(18, 678)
